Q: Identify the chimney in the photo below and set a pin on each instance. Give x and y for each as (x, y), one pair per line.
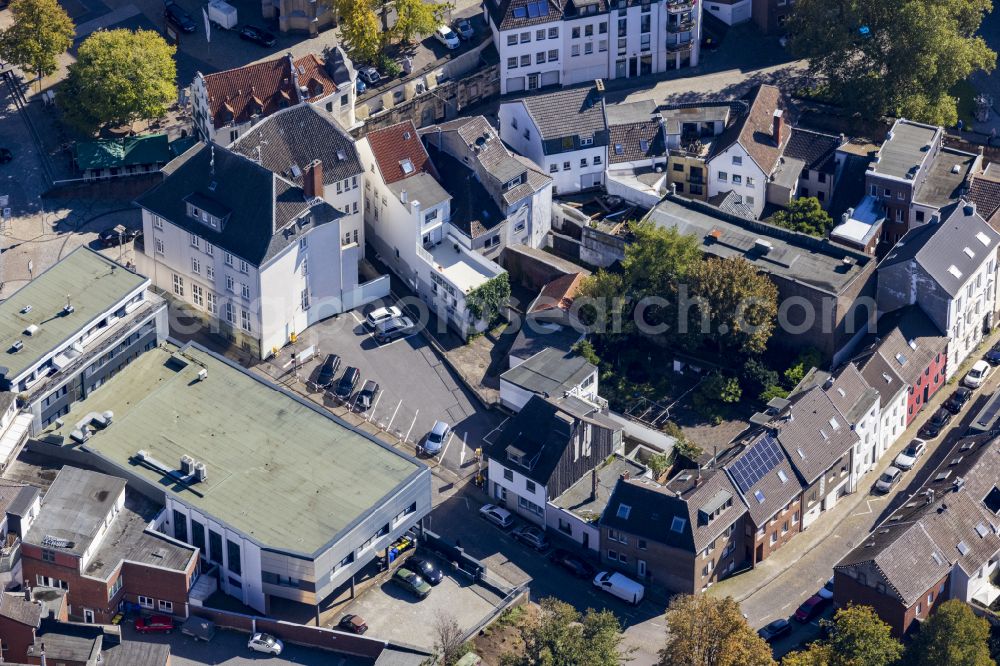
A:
(625, 476)
(403, 197)
(312, 180)
(593, 485)
(27, 591)
(777, 126)
(41, 658)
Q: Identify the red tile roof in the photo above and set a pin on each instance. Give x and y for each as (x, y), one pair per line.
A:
(558, 294)
(395, 144)
(262, 88)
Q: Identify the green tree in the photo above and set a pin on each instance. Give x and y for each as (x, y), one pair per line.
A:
(487, 301)
(858, 638)
(119, 77)
(561, 636)
(416, 18)
(657, 259)
(682, 446)
(736, 305)
(953, 635)
(757, 377)
(804, 215)
(603, 304)
(359, 27)
(41, 30)
(806, 360)
(705, 631)
(585, 349)
(896, 57)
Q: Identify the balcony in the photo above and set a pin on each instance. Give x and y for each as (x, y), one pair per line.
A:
(684, 25)
(679, 5)
(679, 47)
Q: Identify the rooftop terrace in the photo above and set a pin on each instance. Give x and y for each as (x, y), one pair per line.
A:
(279, 469)
(462, 267)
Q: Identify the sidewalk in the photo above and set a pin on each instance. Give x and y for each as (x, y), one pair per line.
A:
(791, 557)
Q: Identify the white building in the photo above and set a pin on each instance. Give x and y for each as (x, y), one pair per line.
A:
(949, 270)
(557, 42)
(476, 168)
(255, 256)
(226, 104)
(860, 406)
(410, 224)
(549, 373)
(730, 12)
(564, 132)
(893, 391)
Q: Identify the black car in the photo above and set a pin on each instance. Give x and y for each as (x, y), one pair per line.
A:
(180, 18)
(993, 356)
(112, 238)
(576, 566)
(328, 370)
(936, 423)
(426, 568)
(775, 630)
(367, 396)
(252, 33)
(345, 387)
(353, 623)
(956, 401)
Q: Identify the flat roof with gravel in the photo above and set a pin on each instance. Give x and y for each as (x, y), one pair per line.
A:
(89, 282)
(279, 469)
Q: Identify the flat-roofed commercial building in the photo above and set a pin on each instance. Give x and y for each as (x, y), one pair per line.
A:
(287, 500)
(76, 324)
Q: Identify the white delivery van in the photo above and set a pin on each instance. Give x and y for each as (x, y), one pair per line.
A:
(620, 586)
(222, 14)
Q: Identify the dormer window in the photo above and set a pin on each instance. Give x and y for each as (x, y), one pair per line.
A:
(514, 182)
(586, 141)
(407, 166)
(204, 217)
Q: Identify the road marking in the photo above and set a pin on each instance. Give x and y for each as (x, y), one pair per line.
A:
(357, 318)
(389, 424)
(371, 411)
(407, 438)
(451, 436)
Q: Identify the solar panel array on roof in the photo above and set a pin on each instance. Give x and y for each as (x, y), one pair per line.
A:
(758, 460)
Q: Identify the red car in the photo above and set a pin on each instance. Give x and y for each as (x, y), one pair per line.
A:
(810, 608)
(154, 624)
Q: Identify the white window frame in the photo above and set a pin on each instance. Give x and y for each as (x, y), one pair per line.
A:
(146, 602)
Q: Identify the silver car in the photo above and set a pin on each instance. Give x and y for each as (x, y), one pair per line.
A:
(265, 643)
(531, 536)
(888, 480)
(437, 437)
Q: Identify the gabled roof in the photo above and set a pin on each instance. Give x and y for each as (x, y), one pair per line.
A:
(635, 141)
(814, 434)
(753, 131)
(15, 607)
(399, 153)
(511, 14)
(949, 251)
(291, 139)
(255, 204)
(763, 476)
(676, 514)
(880, 374)
(851, 394)
(550, 372)
(568, 112)
(946, 524)
(261, 88)
(908, 341)
(815, 149)
(985, 193)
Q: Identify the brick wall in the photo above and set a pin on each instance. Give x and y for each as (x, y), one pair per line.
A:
(15, 639)
(929, 382)
(159, 584)
(759, 547)
(892, 611)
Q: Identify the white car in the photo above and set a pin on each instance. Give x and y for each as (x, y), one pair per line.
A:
(907, 458)
(496, 515)
(436, 437)
(265, 643)
(827, 590)
(977, 375)
(379, 315)
(448, 37)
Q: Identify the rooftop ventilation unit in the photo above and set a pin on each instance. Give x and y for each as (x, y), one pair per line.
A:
(16, 347)
(200, 472)
(187, 465)
(763, 246)
(31, 330)
(26, 309)
(202, 375)
(68, 309)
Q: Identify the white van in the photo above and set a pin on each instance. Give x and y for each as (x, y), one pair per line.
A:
(621, 586)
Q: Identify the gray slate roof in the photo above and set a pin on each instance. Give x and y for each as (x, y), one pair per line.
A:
(572, 112)
(815, 435)
(653, 508)
(775, 491)
(550, 372)
(297, 136)
(943, 525)
(137, 653)
(851, 394)
(950, 251)
(14, 607)
(256, 203)
(881, 376)
(815, 149)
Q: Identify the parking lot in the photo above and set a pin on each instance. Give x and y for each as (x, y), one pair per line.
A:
(395, 614)
(416, 387)
(230, 648)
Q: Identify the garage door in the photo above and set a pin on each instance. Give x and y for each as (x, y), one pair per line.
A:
(515, 84)
(550, 78)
